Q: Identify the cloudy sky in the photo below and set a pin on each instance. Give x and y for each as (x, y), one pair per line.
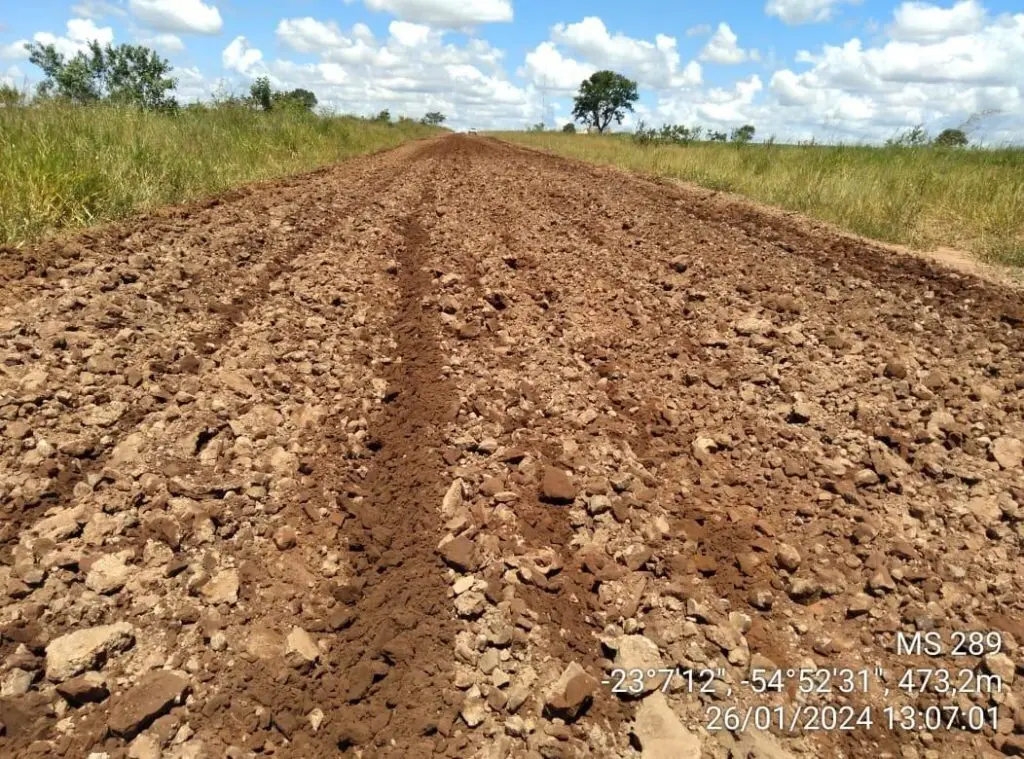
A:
(833, 69)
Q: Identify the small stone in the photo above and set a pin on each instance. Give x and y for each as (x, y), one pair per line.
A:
(598, 504)
(896, 369)
(145, 746)
(787, 557)
(1008, 452)
(301, 644)
(804, 589)
(474, 710)
(218, 641)
(800, 413)
(76, 652)
(881, 581)
(865, 478)
(660, 732)
(517, 696)
(107, 575)
(460, 554)
(285, 537)
(316, 719)
(640, 652)
(1001, 665)
(556, 487)
(487, 446)
(452, 500)
(222, 588)
(151, 697)
(88, 688)
(860, 603)
(16, 682)
(703, 447)
(752, 325)
(570, 695)
(489, 661)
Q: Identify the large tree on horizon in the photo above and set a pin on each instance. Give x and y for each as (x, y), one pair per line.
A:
(604, 97)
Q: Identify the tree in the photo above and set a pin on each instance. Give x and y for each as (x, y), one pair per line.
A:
(603, 97)
(951, 138)
(125, 74)
(912, 138)
(569, 128)
(717, 136)
(11, 96)
(538, 127)
(744, 134)
(434, 118)
(384, 116)
(260, 94)
(298, 99)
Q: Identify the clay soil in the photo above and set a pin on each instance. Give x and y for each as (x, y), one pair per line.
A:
(404, 457)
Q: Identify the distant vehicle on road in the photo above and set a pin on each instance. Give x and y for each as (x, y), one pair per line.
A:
(472, 131)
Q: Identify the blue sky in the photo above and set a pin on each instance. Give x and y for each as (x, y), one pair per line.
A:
(847, 70)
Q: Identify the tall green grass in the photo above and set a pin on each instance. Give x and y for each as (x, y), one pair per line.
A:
(971, 200)
(65, 166)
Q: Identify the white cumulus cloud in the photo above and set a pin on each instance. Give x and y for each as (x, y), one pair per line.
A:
(802, 11)
(182, 16)
(548, 69)
(307, 35)
(412, 71)
(80, 32)
(653, 64)
(937, 69)
(165, 43)
(723, 47)
(448, 14)
(923, 21)
(240, 56)
(16, 49)
(409, 35)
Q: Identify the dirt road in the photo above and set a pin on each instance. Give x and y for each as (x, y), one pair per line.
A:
(405, 457)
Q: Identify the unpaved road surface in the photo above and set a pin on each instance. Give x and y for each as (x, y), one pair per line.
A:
(405, 457)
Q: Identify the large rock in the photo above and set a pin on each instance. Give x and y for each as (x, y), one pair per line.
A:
(639, 652)
(571, 694)
(300, 645)
(79, 651)
(60, 526)
(453, 499)
(556, 487)
(460, 554)
(90, 687)
(151, 697)
(108, 574)
(661, 734)
(222, 587)
(1008, 452)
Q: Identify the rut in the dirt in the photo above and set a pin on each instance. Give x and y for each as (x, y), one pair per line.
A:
(405, 457)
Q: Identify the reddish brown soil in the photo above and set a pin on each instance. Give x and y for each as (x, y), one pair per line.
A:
(301, 439)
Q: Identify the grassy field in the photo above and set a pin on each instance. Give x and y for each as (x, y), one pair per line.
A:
(64, 167)
(971, 200)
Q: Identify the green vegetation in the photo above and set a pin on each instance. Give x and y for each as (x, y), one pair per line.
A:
(264, 97)
(64, 166)
(603, 98)
(125, 75)
(103, 137)
(913, 191)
